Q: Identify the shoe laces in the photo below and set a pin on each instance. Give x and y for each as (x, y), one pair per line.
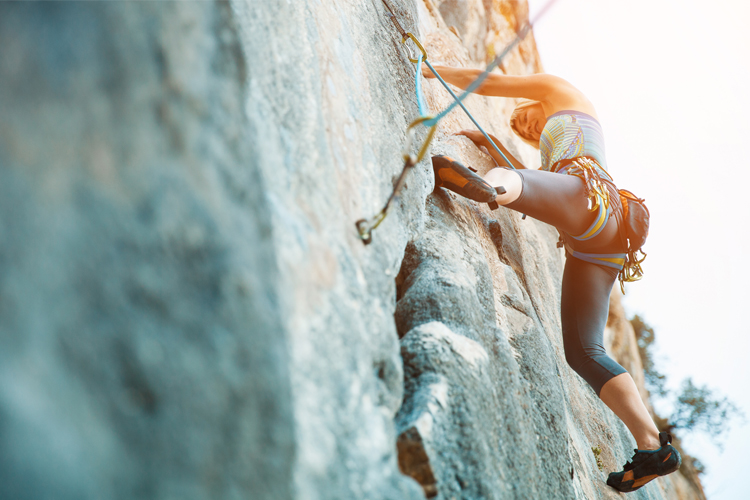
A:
(639, 457)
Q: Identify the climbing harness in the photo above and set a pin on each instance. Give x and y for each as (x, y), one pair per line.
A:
(593, 177)
(635, 219)
(366, 226)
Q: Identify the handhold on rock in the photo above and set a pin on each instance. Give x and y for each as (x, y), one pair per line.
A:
(414, 461)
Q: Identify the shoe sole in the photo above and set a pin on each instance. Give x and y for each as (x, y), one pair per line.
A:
(450, 174)
(642, 481)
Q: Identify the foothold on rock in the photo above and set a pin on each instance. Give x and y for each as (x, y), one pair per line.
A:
(496, 234)
(414, 462)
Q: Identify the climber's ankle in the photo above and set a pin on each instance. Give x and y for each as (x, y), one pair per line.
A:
(649, 443)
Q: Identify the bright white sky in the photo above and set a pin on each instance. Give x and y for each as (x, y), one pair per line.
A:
(671, 84)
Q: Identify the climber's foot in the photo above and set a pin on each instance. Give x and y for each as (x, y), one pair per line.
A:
(647, 465)
(450, 174)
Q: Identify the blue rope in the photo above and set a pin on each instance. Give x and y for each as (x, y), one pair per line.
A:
(423, 110)
(476, 83)
(459, 103)
(471, 88)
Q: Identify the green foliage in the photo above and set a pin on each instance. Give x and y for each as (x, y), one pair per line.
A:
(697, 465)
(695, 408)
(698, 408)
(598, 451)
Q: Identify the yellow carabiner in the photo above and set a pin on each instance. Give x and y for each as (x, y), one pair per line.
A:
(413, 160)
(411, 37)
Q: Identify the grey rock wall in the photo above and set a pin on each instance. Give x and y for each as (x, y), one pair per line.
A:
(186, 309)
(142, 348)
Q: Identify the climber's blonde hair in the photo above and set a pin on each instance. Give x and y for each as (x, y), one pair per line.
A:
(521, 108)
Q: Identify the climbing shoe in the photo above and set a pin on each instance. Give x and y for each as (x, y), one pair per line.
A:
(647, 465)
(450, 174)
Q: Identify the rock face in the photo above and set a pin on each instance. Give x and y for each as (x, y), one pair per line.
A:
(142, 346)
(187, 310)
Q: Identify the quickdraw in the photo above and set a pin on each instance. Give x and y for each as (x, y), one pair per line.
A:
(366, 226)
(593, 176)
(631, 270)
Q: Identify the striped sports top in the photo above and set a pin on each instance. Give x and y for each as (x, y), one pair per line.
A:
(570, 134)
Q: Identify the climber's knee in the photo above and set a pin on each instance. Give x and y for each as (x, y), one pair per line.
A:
(508, 179)
(595, 370)
(587, 369)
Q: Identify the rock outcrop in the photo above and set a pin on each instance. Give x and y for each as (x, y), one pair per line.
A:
(186, 309)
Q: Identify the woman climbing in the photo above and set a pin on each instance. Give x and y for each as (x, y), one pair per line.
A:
(573, 192)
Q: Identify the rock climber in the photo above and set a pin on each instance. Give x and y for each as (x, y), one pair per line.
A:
(573, 192)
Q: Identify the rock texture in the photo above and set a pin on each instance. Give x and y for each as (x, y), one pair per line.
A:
(186, 309)
(142, 347)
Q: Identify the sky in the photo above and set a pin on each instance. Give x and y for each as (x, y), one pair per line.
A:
(671, 84)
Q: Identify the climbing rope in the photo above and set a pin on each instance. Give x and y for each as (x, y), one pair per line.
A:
(494, 64)
(366, 226)
(423, 111)
(457, 101)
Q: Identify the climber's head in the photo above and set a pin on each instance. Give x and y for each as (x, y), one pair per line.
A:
(528, 121)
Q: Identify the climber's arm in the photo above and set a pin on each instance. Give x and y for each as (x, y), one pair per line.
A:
(556, 93)
(480, 140)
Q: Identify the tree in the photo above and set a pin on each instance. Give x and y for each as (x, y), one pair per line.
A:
(698, 408)
(695, 408)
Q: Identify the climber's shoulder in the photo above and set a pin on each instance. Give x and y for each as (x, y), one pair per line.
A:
(555, 93)
(560, 95)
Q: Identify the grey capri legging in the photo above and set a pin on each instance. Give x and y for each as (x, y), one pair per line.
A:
(560, 200)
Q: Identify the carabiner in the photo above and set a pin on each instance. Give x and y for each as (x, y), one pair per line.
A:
(410, 131)
(411, 37)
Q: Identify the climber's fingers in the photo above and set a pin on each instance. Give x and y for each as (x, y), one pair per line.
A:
(474, 135)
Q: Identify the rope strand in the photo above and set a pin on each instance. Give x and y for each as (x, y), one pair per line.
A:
(365, 226)
(495, 63)
(457, 101)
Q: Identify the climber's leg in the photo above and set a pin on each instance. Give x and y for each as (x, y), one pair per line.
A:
(557, 199)
(584, 310)
(510, 180)
(621, 395)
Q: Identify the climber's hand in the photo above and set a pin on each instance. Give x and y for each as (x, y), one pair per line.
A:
(475, 135)
(427, 72)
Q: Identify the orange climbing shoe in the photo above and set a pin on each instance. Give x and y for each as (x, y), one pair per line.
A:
(647, 465)
(450, 174)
